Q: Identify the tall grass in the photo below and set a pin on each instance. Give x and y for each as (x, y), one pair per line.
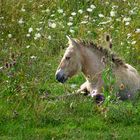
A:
(32, 39)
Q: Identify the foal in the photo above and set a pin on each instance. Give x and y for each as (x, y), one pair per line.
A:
(89, 58)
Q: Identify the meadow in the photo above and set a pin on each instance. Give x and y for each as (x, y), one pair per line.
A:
(32, 42)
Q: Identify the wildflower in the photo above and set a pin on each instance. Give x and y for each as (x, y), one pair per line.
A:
(89, 32)
(114, 6)
(1, 68)
(80, 11)
(22, 9)
(52, 25)
(47, 10)
(28, 35)
(89, 9)
(1, 17)
(112, 13)
(28, 46)
(69, 23)
(84, 22)
(92, 6)
(105, 22)
(132, 12)
(60, 11)
(30, 29)
(41, 5)
(41, 22)
(33, 57)
(70, 18)
(73, 14)
(86, 16)
(38, 29)
(37, 36)
(137, 31)
(49, 37)
(10, 35)
(72, 31)
(129, 35)
(52, 15)
(133, 42)
(122, 87)
(126, 19)
(118, 19)
(101, 15)
(127, 23)
(21, 21)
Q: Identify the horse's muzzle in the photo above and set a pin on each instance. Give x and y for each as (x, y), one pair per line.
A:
(60, 76)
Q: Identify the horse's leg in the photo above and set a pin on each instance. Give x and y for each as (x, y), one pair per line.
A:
(96, 93)
(83, 88)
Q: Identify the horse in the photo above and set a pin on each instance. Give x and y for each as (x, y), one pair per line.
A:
(91, 59)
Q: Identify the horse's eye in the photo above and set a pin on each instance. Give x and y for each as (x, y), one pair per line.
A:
(67, 58)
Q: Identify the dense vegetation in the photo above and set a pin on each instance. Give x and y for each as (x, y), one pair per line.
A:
(32, 40)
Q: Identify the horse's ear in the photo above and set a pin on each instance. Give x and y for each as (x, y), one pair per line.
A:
(72, 41)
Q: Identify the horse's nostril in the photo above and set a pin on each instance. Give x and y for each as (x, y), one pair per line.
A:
(60, 78)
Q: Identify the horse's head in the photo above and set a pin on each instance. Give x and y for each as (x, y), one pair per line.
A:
(70, 63)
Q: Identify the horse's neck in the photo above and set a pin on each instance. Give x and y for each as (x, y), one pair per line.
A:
(91, 64)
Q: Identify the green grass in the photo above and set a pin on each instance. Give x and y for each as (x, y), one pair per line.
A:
(31, 48)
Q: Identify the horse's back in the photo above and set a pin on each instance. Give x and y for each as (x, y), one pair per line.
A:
(130, 77)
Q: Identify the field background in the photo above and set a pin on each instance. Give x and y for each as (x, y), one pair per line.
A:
(32, 41)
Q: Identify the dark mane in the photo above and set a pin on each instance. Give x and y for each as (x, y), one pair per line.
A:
(107, 53)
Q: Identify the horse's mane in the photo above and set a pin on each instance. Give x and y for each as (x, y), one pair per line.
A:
(107, 53)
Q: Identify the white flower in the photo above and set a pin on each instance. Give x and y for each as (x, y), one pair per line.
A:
(101, 15)
(38, 29)
(52, 25)
(92, 6)
(37, 36)
(70, 18)
(114, 6)
(105, 22)
(69, 23)
(89, 9)
(80, 11)
(41, 22)
(30, 29)
(72, 31)
(89, 32)
(33, 57)
(129, 35)
(112, 13)
(1, 17)
(1, 68)
(49, 37)
(47, 10)
(28, 35)
(60, 11)
(118, 19)
(52, 15)
(126, 19)
(86, 16)
(28, 46)
(133, 42)
(132, 12)
(84, 22)
(127, 23)
(10, 35)
(21, 21)
(137, 31)
(22, 9)
(73, 14)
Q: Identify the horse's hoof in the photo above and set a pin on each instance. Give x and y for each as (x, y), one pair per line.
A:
(99, 99)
